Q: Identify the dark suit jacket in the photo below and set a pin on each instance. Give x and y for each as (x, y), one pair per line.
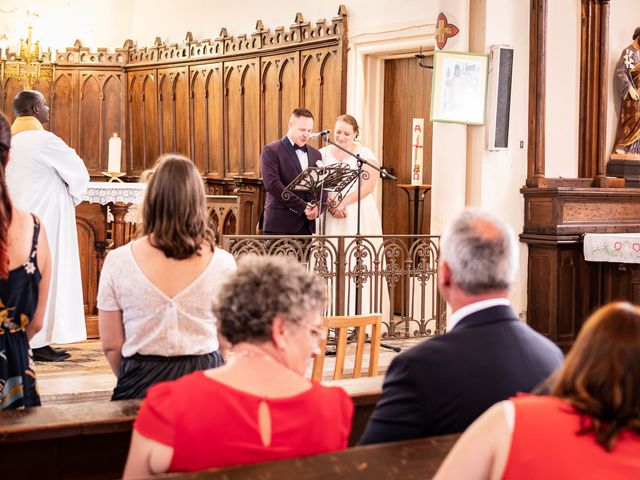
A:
(279, 165)
(442, 385)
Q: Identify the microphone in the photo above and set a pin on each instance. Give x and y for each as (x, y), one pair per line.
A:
(315, 135)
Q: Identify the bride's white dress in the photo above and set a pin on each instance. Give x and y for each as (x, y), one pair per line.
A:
(370, 225)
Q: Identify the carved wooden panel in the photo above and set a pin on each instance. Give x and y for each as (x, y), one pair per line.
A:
(215, 121)
(207, 135)
(89, 106)
(91, 228)
(112, 118)
(198, 118)
(320, 85)
(280, 85)
(218, 101)
(173, 103)
(8, 90)
(541, 272)
(44, 87)
(63, 105)
(242, 109)
(143, 119)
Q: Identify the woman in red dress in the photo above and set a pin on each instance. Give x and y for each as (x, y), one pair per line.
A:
(589, 428)
(259, 406)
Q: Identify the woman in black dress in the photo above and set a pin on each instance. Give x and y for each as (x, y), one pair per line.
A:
(24, 283)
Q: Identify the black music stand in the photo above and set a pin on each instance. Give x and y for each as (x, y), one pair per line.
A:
(335, 178)
(321, 180)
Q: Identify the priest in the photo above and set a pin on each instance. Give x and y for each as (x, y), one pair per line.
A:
(48, 178)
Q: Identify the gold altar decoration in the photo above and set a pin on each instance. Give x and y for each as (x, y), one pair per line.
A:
(28, 65)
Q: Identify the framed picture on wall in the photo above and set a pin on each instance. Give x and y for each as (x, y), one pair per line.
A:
(459, 90)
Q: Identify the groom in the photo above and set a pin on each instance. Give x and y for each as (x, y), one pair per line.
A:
(281, 162)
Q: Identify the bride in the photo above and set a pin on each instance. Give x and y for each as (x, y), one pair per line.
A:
(342, 219)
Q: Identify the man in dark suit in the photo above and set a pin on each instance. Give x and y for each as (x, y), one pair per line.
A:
(487, 355)
(281, 162)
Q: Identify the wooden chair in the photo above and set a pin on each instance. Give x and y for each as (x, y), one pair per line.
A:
(342, 324)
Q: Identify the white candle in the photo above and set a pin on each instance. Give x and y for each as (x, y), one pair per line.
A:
(115, 150)
(417, 145)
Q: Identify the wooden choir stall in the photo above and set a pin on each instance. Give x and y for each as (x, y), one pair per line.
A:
(217, 100)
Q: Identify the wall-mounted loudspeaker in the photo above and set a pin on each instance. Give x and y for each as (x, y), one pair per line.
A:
(499, 97)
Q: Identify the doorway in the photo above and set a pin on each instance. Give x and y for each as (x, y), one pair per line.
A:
(407, 95)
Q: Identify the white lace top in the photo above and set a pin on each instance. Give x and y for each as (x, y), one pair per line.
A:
(155, 324)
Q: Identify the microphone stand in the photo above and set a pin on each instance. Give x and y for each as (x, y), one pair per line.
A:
(360, 162)
(384, 174)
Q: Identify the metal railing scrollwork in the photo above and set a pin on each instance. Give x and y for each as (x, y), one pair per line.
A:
(392, 274)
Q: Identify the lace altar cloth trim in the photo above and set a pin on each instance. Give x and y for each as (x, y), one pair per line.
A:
(103, 193)
(612, 247)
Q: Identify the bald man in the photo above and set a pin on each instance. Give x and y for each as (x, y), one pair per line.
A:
(48, 178)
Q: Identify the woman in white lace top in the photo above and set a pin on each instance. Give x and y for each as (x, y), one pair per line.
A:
(156, 293)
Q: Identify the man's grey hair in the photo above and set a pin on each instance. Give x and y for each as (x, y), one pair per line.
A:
(481, 252)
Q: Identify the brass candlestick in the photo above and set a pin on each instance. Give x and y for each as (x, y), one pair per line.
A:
(114, 176)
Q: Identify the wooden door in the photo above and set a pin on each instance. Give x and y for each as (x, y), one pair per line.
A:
(407, 95)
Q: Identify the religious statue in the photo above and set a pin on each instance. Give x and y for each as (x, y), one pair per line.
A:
(627, 83)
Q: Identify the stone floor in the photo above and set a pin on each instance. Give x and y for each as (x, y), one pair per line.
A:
(87, 376)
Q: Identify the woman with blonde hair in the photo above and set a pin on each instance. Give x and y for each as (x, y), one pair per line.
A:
(156, 293)
(588, 428)
(25, 272)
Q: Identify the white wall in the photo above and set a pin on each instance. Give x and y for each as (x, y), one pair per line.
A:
(623, 21)
(449, 152)
(204, 18)
(60, 23)
(494, 179)
(563, 88)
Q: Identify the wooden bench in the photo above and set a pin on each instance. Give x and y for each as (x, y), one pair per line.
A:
(406, 460)
(91, 439)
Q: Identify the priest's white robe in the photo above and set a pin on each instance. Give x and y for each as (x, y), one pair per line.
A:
(48, 178)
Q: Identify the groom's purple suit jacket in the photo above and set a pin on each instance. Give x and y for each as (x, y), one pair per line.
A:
(279, 165)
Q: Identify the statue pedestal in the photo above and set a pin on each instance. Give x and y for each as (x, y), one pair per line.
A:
(627, 166)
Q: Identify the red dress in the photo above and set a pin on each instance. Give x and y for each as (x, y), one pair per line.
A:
(210, 424)
(544, 445)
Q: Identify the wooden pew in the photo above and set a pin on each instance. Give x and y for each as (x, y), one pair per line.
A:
(406, 460)
(91, 439)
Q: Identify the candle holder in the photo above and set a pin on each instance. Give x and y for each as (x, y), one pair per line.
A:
(114, 176)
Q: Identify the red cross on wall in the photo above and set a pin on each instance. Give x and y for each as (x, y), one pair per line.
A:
(444, 30)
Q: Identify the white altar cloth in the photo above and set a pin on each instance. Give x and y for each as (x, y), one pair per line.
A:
(612, 247)
(104, 193)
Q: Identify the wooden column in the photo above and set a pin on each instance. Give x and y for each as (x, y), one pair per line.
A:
(603, 77)
(594, 79)
(119, 211)
(537, 93)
